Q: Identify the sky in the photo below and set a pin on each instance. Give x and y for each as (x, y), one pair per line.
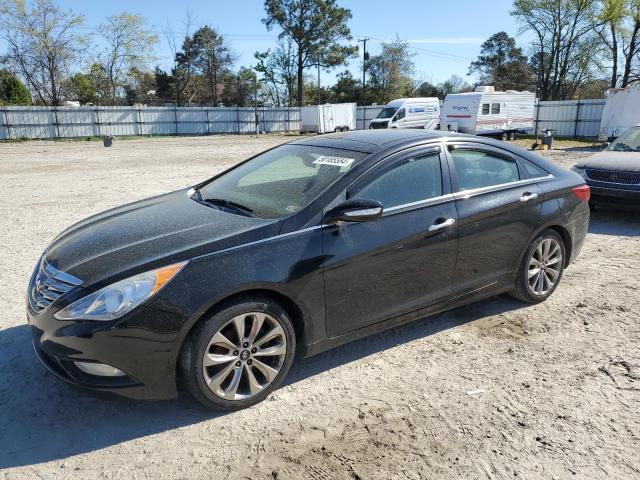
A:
(444, 35)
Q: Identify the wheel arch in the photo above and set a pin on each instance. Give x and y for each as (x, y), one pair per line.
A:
(560, 230)
(566, 239)
(294, 310)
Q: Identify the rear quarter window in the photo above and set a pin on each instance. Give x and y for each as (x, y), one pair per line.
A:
(531, 170)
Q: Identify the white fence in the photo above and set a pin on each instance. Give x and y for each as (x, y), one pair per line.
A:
(573, 118)
(66, 122)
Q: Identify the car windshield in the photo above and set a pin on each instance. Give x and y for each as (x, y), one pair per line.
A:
(629, 141)
(387, 112)
(278, 182)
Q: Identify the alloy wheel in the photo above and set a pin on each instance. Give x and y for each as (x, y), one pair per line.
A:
(244, 356)
(545, 266)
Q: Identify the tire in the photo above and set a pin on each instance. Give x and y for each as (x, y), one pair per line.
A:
(512, 136)
(537, 288)
(504, 137)
(337, 130)
(231, 364)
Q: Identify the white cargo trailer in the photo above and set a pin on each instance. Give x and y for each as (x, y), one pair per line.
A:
(332, 117)
(487, 112)
(621, 112)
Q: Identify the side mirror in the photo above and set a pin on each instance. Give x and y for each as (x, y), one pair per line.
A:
(605, 145)
(355, 210)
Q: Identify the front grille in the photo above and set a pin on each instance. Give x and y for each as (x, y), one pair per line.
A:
(48, 284)
(614, 176)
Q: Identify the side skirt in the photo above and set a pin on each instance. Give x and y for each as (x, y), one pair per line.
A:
(453, 302)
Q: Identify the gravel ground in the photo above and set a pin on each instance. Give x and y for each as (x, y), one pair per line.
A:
(557, 385)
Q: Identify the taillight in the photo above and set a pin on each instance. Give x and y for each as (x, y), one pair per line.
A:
(583, 192)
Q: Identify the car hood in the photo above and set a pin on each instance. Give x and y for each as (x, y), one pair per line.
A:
(610, 160)
(151, 232)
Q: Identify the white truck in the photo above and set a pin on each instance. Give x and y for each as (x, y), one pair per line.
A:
(487, 112)
(409, 113)
(621, 112)
(331, 117)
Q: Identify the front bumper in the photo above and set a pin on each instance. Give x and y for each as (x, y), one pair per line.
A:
(614, 195)
(146, 357)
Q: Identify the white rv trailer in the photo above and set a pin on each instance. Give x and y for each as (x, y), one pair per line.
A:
(409, 113)
(487, 112)
(332, 117)
(621, 111)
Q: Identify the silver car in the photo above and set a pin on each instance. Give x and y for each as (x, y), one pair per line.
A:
(614, 173)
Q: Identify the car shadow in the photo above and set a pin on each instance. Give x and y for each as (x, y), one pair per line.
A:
(615, 222)
(43, 419)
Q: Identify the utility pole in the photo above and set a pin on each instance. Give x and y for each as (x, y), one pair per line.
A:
(365, 57)
(318, 80)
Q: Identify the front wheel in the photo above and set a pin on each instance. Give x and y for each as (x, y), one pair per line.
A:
(541, 268)
(241, 354)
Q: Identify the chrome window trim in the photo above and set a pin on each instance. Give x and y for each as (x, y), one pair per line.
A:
(421, 203)
(465, 194)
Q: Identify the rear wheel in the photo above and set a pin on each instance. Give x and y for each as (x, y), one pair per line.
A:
(512, 136)
(238, 356)
(541, 268)
(504, 136)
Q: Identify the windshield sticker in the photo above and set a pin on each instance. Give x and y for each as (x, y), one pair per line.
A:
(334, 161)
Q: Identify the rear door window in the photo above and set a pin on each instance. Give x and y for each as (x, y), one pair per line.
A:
(479, 169)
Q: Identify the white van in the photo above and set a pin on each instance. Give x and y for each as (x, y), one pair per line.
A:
(487, 112)
(409, 113)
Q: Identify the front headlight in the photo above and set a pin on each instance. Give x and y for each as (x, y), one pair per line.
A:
(117, 299)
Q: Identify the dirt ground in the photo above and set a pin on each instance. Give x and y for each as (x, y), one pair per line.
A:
(497, 389)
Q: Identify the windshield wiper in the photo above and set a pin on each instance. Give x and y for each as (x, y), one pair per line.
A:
(220, 202)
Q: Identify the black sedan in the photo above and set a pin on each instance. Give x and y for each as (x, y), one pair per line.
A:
(614, 173)
(299, 249)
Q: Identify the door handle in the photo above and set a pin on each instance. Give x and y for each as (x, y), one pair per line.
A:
(440, 225)
(528, 196)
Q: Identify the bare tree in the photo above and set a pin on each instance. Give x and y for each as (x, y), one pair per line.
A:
(622, 39)
(565, 43)
(278, 68)
(186, 83)
(43, 45)
(129, 46)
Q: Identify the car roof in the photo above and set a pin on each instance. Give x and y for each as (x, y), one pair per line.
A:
(375, 141)
(370, 141)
